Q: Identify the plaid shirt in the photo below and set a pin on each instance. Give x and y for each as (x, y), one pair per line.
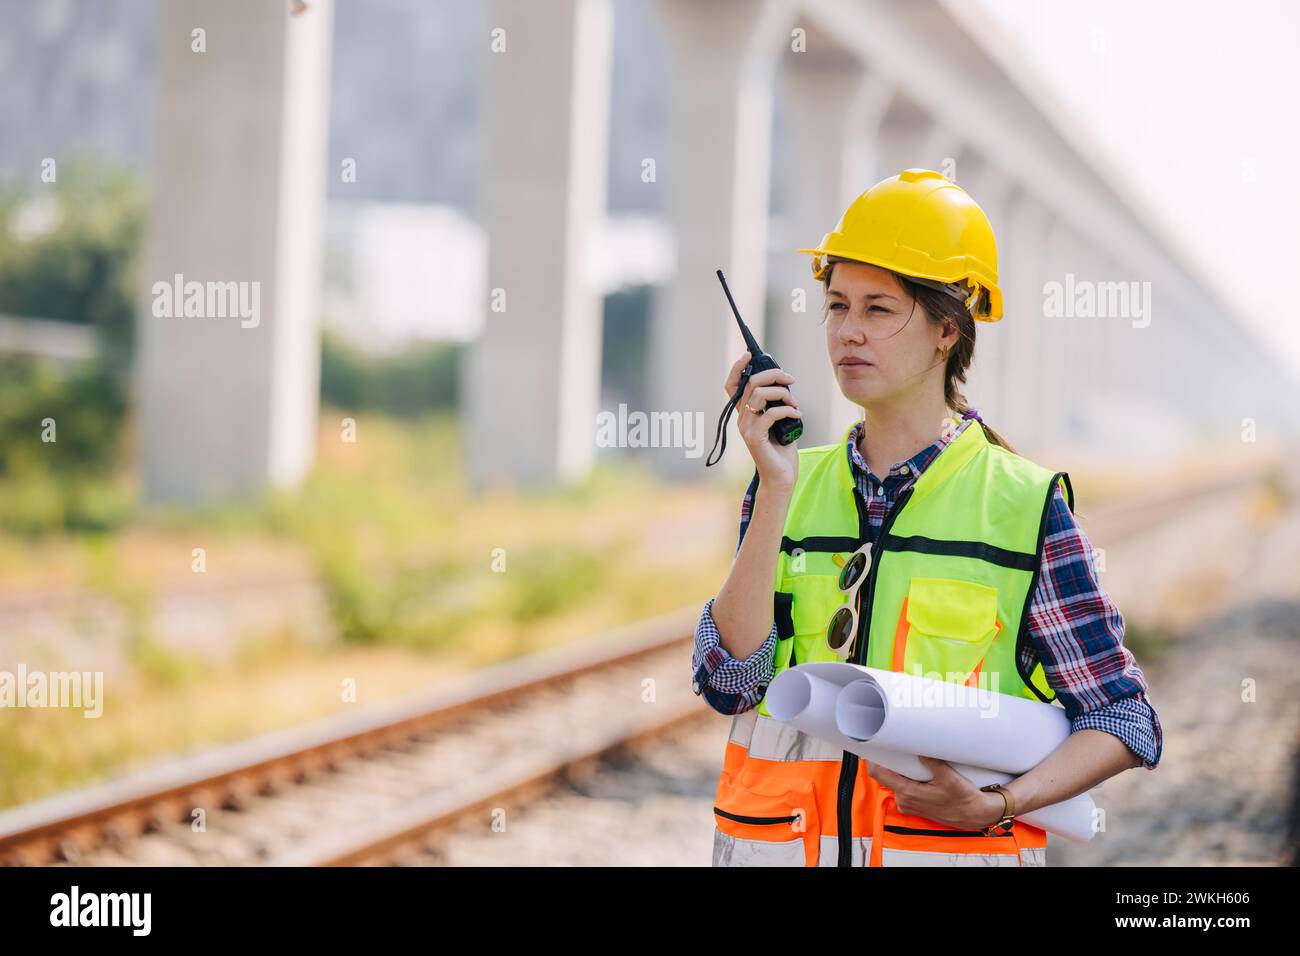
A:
(1074, 628)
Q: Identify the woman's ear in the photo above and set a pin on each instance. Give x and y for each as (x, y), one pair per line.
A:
(951, 335)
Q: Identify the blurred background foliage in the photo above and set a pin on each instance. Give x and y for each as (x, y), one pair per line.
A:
(76, 482)
(419, 379)
(69, 252)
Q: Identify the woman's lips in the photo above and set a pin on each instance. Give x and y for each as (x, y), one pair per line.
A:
(854, 363)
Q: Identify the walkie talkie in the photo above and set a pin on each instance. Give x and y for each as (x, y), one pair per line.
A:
(785, 430)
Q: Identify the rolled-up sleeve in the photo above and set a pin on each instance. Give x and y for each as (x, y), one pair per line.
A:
(1133, 721)
(728, 684)
(1078, 632)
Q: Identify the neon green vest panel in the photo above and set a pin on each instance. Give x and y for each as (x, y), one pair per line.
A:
(953, 571)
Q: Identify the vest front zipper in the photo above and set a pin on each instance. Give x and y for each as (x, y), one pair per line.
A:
(849, 763)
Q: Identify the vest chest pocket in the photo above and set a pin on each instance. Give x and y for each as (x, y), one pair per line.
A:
(945, 627)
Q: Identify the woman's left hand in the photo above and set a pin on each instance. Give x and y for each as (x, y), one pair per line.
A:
(947, 798)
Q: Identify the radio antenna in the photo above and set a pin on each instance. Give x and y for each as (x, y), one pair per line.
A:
(755, 350)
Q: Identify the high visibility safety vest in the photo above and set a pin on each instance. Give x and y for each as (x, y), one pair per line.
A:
(952, 575)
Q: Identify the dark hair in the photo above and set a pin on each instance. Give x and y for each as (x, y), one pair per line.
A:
(938, 306)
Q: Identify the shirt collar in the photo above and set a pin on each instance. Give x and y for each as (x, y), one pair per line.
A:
(910, 467)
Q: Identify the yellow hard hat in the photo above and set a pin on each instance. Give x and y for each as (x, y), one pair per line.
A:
(921, 224)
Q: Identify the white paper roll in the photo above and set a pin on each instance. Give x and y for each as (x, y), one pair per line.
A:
(860, 703)
(813, 698)
(809, 701)
(949, 721)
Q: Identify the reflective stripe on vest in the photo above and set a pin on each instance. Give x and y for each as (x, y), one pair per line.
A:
(953, 573)
(736, 851)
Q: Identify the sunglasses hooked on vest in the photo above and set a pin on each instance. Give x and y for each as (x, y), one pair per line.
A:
(785, 430)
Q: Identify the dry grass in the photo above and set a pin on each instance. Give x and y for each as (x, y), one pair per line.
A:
(406, 552)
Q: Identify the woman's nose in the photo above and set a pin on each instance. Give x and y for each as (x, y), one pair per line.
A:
(851, 330)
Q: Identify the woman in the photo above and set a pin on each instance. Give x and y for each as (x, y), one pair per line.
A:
(964, 562)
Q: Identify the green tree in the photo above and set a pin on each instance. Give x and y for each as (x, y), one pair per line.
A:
(68, 251)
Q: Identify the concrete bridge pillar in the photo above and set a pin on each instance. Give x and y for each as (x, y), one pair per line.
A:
(835, 111)
(229, 368)
(532, 385)
(723, 57)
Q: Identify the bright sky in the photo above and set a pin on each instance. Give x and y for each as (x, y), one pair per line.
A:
(1195, 102)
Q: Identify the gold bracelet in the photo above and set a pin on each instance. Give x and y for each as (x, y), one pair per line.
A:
(1007, 820)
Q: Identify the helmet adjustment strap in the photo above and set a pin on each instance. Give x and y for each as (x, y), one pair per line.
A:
(970, 293)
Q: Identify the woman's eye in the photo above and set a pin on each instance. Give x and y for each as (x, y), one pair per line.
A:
(837, 305)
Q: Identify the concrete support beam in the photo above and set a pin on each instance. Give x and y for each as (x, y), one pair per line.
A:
(723, 58)
(986, 378)
(907, 137)
(532, 383)
(1134, 386)
(1028, 224)
(1071, 345)
(835, 114)
(941, 150)
(229, 398)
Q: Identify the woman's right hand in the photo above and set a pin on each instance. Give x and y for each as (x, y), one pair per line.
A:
(778, 465)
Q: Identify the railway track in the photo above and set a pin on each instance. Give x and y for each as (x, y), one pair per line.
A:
(445, 751)
(366, 787)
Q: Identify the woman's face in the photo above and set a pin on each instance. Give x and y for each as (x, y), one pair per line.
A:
(882, 345)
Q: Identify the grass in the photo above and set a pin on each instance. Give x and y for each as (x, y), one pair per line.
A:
(424, 579)
(169, 704)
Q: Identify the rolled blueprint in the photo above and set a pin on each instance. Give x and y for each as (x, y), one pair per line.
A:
(950, 721)
(810, 703)
(834, 702)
